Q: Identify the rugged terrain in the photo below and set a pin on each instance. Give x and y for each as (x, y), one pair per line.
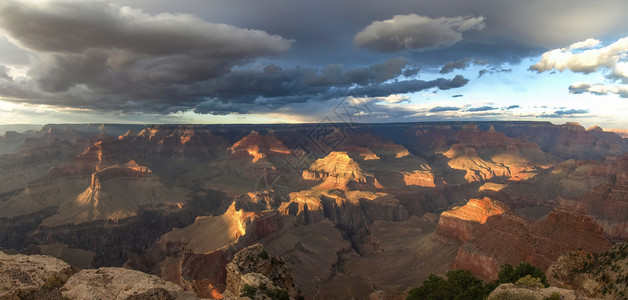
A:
(333, 201)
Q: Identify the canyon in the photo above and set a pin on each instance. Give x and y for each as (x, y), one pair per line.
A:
(350, 209)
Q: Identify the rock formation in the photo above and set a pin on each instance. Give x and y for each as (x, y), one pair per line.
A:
(200, 252)
(254, 267)
(339, 171)
(45, 277)
(460, 223)
(118, 283)
(513, 291)
(34, 275)
(507, 238)
(599, 275)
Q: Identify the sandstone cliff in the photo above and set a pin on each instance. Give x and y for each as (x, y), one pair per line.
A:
(507, 238)
(195, 257)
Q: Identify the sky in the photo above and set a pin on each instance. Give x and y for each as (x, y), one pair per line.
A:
(283, 61)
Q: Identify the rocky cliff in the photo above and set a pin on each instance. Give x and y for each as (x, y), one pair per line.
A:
(507, 238)
(253, 268)
(599, 275)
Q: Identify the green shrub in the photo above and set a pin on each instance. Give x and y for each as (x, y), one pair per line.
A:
(55, 281)
(460, 284)
(508, 274)
(530, 281)
(277, 294)
(248, 291)
(264, 254)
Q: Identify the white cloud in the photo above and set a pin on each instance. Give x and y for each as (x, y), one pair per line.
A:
(586, 44)
(598, 89)
(415, 32)
(587, 61)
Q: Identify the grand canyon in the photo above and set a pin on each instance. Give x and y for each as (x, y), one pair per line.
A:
(345, 210)
(313, 150)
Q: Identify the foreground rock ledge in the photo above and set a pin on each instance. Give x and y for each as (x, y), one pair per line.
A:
(24, 274)
(118, 283)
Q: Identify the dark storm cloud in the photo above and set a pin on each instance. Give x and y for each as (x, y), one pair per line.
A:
(409, 72)
(481, 108)
(99, 56)
(457, 96)
(96, 55)
(444, 108)
(98, 48)
(336, 75)
(415, 32)
(453, 65)
(250, 90)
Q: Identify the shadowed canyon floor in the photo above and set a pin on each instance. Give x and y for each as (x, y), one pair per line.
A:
(350, 209)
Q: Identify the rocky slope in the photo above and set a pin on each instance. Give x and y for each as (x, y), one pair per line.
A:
(253, 267)
(512, 291)
(599, 275)
(506, 238)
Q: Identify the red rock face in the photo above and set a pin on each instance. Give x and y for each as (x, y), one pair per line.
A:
(507, 238)
(204, 271)
(459, 223)
(338, 171)
(259, 146)
(420, 178)
(606, 203)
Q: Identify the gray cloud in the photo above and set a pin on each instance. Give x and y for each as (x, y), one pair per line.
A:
(457, 96)
(492, 70)
(103, 57)
(570, 113)
(452, 65)
(599, 89)
(513, 107)
(481, 108)
(113, 53)
(415, 32)
(249, 90)
(444, 108)
(4, 73)
(336, 75)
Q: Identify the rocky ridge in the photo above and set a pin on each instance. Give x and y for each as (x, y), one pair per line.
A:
(601, 275)
(253, 267)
